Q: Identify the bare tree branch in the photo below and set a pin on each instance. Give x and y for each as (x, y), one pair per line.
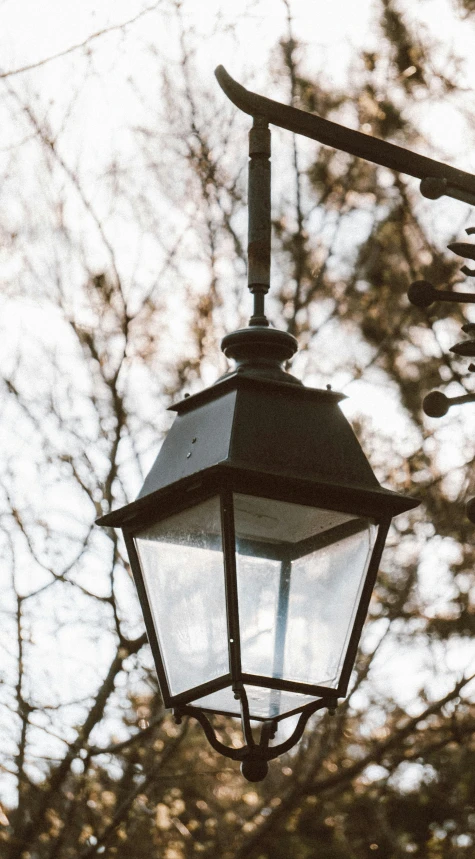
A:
(83, 44)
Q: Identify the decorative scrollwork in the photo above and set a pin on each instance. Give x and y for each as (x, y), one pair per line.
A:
(422, 294)
(254, 756)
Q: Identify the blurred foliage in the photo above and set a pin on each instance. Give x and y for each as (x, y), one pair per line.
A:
(92, 764)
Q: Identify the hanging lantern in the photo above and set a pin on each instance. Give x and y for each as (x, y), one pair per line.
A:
(256, 538)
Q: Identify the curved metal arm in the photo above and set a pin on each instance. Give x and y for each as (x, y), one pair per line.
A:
(227, 751)
(252, 751)
(438, 179)
(310, 709)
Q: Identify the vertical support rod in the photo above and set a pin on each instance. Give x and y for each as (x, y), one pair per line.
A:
(230, 583)
(280, 632)
(259, 236)
(282, 617)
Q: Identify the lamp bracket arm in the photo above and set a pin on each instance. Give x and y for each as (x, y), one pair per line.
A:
(437, 179)
(218, 746)
(275, 751)
(262, 751)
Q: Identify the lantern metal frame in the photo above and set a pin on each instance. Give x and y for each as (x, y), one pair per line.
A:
(161, 499)
(241, 483)
(187, 493)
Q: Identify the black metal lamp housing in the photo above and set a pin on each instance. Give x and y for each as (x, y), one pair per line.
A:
(254, 544)
(256, 538)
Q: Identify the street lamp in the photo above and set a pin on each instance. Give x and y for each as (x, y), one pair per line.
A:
(256, 538)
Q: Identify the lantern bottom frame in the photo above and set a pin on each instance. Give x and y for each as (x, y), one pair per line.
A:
(254, 756)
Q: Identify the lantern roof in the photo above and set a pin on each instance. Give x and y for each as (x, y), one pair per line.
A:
(261, 423)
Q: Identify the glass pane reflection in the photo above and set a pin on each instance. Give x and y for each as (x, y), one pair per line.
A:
(182, 565)
(300, 573)
(263, 703)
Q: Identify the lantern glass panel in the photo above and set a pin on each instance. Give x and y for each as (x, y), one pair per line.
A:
(182, 565)
(263, 703)
(300, 573)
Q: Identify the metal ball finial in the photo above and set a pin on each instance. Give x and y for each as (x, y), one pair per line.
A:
(254, 769)
(421, 293)
(436, 404)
